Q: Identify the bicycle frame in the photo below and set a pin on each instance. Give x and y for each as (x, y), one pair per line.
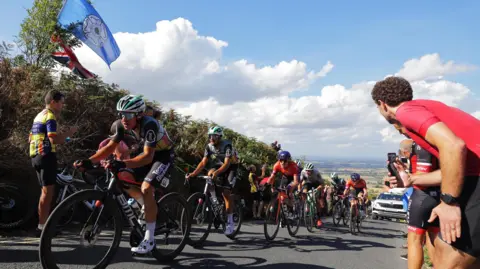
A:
(210, 184)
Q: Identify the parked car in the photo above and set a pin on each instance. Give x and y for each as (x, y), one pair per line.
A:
(389, 205)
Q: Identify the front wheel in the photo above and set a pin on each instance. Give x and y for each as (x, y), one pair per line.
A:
(202, 219)
(294, 225)
(90, 233)
(309, 216)
(272, 220)
(173, 225)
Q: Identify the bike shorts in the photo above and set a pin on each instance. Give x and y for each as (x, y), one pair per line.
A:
(420, 206)
(228, 178)
(469, 200)
(46, 168)
(354, 194)
(309, 185)
(154, 173)
(286, 181)
(257, 196)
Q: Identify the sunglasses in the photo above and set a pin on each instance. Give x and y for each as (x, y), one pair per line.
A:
(283, 161)
(214, 136)
(126, 115)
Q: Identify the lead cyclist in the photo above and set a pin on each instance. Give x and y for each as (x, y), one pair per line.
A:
(149, 166)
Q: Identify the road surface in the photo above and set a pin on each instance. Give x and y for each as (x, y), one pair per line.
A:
(378, 246)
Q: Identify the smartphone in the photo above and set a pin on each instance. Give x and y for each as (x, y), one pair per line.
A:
(391, 168)
(387, 183)
(404, 160)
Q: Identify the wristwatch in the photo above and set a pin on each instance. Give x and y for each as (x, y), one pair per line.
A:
(448, 199)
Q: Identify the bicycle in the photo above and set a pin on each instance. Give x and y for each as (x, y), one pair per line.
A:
(277, 208)
(111, 207)
(341, 210)
(355, 218)
(15, 207)
(207, 208)
(310, 209)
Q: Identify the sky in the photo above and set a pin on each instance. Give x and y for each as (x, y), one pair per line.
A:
(298, 72)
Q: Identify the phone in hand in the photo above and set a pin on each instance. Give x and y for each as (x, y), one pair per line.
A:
(392, 157)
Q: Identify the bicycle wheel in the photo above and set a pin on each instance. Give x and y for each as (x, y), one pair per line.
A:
(337, 213)
(272, 218)
(308, 216)
(353, 221)
(237, 217)
(346, 214)
(15, 208)
(110, 211)
(201, 216)
(294, 225)
(172, 222)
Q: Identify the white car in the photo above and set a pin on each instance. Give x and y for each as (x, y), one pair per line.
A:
(389, 205)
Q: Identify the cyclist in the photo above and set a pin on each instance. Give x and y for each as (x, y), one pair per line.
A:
(311, 178)
(290, 172)
(359, 186)
(222, 159)
(150, 164)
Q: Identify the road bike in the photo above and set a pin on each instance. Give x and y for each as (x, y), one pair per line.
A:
(341, 210)
(209, 208)
(310, 209)
(111, 208)
(355, 218)
(277, 211)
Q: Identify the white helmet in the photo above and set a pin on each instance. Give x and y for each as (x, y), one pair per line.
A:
(131, 103)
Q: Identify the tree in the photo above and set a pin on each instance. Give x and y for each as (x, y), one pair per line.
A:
(5, 49)
(34, 39)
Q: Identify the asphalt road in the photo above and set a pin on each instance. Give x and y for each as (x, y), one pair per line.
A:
(378, 246)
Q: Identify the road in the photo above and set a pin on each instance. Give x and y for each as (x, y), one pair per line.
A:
(378, 246)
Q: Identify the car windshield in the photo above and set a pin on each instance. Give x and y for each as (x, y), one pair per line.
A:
(393, 197)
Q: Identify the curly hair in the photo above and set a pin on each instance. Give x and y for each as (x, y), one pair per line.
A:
(392, 91)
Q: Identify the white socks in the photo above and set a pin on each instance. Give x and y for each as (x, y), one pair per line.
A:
(150, 232)
(40, 226)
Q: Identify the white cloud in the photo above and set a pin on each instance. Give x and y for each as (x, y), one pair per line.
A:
(175, 63)
(476, 114)
(181, 69)
(430, 66)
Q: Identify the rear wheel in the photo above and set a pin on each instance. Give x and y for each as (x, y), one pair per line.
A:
(15, 208)
(237, 216)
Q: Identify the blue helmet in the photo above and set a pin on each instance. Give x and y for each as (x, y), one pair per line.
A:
(355, 177)
(284, 156)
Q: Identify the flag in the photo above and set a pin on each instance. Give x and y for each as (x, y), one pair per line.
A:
(89, 28)
(68, 59)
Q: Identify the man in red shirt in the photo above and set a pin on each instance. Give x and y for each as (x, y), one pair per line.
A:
(451, 135)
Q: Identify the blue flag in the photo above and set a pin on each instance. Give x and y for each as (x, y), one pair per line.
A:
(89, 28)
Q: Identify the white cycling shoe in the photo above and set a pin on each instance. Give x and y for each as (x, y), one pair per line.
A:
(144, 247)
(229, 229)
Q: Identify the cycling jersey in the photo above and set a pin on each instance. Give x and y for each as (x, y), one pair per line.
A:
(290, 171)
(418, 115)
(315, 177)
(216, 154)
(422, 161)
(44, 126)
(357, 186)
(151, 134)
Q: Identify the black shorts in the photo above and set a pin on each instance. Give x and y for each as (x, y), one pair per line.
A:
(228, 178)
(46, 168)
(285, 180)
(354, 193)
(420, 206)
(469, 241)
(154, 173)
(257, 196)
(265, 194)
(310, 185)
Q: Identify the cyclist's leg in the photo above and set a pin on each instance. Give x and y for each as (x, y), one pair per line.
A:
(130, 176)
(228, 182)
(417, 225)
(46, 168)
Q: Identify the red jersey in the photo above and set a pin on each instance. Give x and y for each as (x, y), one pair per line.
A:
(359, 185)
(418, 115)
(422, 161)
(292, 169)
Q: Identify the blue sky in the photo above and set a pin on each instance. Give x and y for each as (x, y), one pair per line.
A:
(365, 40)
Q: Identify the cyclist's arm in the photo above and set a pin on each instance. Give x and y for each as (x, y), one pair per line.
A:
(271, 179)
(295, 178)
(104, 152)
(427, 179)
(225, 165)
(143, 159)
(200, 167)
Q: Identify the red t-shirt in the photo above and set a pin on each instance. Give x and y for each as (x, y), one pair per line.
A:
(418, 115)
(292, 169)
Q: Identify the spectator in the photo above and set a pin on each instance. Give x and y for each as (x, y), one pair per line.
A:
(447, 133)
(43, 140)
(255, 191)
(276, 146)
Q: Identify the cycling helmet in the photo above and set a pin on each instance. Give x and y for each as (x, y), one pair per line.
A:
(308, 166)
(284, 156)
(131, 103)
(298, 162)
(334, 175)
(64, 180)
(215, 130)
(342, 182)
(355, 177)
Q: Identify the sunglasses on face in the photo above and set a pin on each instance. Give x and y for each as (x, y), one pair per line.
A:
(126, 115)
(283, 161)
(214, 136)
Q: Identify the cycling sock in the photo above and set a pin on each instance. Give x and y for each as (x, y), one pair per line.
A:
(230, 218)
(150, 232)
(40, 226)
